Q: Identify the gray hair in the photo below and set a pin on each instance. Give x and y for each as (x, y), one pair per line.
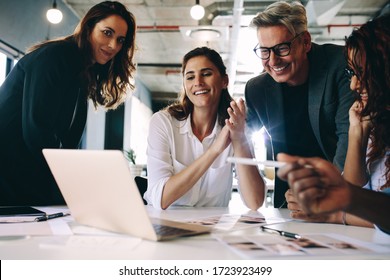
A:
(291, 15)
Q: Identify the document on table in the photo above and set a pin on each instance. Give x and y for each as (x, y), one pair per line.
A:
(27, 226)
(264, 246)
(17, 219)
(19, 214)
(234, 222)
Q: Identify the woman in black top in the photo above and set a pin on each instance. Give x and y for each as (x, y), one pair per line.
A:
(43, 101)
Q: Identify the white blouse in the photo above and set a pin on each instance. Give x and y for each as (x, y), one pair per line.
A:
(377, 173)
(172, 147)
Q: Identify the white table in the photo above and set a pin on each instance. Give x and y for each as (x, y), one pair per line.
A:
(94, 245)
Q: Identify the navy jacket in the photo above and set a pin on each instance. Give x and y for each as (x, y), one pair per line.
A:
(42, 105)
(329, 102)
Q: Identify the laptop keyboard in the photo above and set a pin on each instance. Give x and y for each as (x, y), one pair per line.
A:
(167, 230)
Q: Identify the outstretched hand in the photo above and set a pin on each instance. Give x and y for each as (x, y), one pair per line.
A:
(236, 122)
(316, 184)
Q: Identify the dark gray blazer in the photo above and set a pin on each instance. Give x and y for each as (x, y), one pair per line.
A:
(41, 106)
(329, 101)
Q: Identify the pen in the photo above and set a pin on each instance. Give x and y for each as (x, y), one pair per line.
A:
(51, 216)
(282, 232)
(253, 161)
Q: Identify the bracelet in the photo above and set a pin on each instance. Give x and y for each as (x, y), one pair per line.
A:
(344, 218)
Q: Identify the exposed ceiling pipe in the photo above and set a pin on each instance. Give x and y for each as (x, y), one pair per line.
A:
(322, 13)
(10, 50)
(232, 67)
(329, 26)
(176, 28)
(227, 8)
(70, 7)
(158, 28)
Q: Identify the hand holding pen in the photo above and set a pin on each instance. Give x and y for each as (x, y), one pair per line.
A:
(51, 216)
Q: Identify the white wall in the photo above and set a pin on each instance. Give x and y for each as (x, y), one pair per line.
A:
(95, 128)
(136, 127)
(137, 114)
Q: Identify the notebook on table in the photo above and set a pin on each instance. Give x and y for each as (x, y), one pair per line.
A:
(99, 191)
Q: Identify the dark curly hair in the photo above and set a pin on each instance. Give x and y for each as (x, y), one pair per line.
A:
(182, 108)
(370, 49)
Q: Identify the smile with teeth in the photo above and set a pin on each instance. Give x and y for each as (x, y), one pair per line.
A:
(201, 92)
(279, 69)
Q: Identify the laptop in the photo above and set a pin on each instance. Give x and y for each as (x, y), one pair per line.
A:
(100, 191)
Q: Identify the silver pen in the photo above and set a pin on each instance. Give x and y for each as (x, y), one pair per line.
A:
(253, 161)
(282, 232)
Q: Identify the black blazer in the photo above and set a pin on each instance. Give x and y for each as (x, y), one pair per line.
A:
(41, 106)
(329, 101)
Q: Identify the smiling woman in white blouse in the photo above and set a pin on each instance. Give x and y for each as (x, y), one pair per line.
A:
(190, 140)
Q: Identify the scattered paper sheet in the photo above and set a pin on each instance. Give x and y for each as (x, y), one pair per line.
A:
(263, 246)
(17, 219)
(26, 226)
(234, 222)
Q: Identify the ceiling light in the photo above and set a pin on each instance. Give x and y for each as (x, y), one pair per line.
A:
(205, 34)
(197, 11)
(54, 15)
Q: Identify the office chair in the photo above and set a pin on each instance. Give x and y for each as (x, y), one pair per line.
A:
(142, 184)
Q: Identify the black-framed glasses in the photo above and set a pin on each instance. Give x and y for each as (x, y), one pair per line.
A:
(349, 73)
(282, 49)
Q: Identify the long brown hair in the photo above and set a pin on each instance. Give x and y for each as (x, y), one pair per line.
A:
(106, 84)
(370, 49)
(182, 108)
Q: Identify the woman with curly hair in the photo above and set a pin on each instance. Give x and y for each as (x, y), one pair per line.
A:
(368, 162)
(43, 101)
(368, 54)
(190, 140)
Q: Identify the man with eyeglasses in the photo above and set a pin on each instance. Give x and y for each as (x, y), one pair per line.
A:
(302, 98)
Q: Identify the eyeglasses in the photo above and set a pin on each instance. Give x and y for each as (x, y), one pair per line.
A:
(282, 49)
(349, 73)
